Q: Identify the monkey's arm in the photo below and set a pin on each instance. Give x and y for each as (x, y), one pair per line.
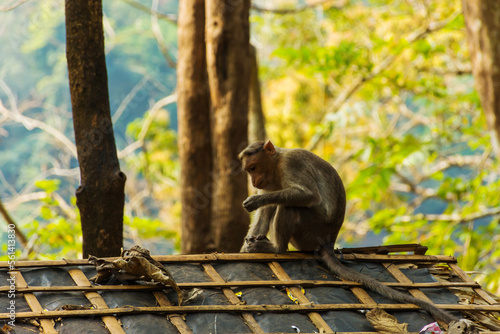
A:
(293, 196)
(260, 224)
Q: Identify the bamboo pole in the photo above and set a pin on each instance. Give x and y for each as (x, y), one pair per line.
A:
(176, 319)
(239, 309)
(111, 323)
(231, 296)
(46, 324)
(315, 317)
(400, 277)
(241, 284)
(250, 257)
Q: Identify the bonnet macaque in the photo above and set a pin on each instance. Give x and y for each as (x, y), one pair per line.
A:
(301, 199)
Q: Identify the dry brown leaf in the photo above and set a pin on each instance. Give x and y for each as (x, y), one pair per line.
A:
(385, 323)
(135, 263)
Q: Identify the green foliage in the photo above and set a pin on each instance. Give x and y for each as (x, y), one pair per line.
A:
(159, 157)
(56, 232)
(49, 186)
(37, 172)
(153, 229)
(396, 115)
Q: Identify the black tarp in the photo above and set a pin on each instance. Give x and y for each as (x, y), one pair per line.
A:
(345, 321)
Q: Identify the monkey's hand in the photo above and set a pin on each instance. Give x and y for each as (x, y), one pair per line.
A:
(252, 203)
(259, 244)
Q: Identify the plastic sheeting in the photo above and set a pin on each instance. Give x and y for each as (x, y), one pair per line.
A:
(345, 321)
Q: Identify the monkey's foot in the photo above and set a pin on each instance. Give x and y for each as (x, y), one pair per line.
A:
(258, 244)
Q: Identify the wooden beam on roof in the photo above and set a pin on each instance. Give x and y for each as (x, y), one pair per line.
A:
(95, 299)
(315, 317)
(231, 296)
(176, 319)
(250, 257)
(463, 275)
(241, 284)
(400, 277)
(238, 309)
(46, 324)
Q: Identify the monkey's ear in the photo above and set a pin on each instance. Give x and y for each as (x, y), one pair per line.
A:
(269, 147)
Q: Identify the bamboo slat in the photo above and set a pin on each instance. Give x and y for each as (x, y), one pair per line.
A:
(248, 317)
(417, 249)
(400, 277)
(400, 258)
(359, 292)
(460, 273)
(250, 257)
(315, 317)
(384, 255)
(246, 284)
(111, 323)
(175, 319)
(240, 308)
(361, 295)
(34, 304)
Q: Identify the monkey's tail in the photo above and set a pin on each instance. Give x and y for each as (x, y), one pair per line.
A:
(349, 274)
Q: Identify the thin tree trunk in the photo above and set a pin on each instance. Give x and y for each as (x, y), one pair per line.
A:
(195, 147)
(13, 226)
(482, 19)
(256, 119)
(227, 38)
(100, 197)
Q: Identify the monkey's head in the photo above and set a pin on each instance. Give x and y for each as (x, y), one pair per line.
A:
(259, 160)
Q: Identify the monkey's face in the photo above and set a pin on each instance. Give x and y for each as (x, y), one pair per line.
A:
(258, 167)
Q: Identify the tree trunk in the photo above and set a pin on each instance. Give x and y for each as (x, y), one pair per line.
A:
(227, 38)
(256, 119)
(195, 147)
(100, 197)
(482, 19)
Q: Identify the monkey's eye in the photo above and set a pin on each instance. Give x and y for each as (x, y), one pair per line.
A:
(251, 169)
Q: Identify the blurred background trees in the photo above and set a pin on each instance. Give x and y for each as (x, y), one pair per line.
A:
(195, 144)
(382, 89)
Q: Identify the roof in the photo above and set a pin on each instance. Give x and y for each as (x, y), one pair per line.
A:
(242, 293)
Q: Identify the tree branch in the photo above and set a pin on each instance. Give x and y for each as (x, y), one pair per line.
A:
(442, 165)
(413, 186)
(13, 6)
(24, 198)
(172, 18)
(31, 123)
(455, 218)
(358, 82)
(6, 185)
(454, 161)
(126, 101)
(147, 124)
(329, 3)
(8, 219)
(424, 193)
(155, 28)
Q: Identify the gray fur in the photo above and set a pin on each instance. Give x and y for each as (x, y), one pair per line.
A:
(302, 200)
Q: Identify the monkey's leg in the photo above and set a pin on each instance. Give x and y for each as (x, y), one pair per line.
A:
(285, 223)
(282, 227)
(262, 220)
(258, 229)
(258, 244)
